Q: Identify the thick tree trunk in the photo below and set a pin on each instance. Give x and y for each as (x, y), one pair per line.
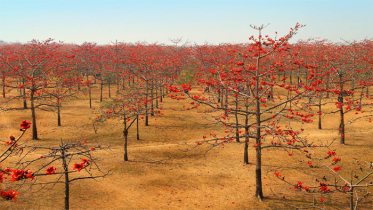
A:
(152, 97)
(3, 86)
(67, 181)
(137, 128)
(58, 114)
(247, 139)
(342, 126)
(156, 97)
(101, 88)
(341, 112)
(320, 113)
(109, 87)
(90, 97)
(146, 106)
(125, 134)
(236, 116)
(33, 115)
(258, 149)
(24, 95)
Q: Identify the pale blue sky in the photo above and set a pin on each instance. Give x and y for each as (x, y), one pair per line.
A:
(218, 21)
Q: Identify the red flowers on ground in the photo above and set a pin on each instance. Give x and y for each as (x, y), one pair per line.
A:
(25, 125)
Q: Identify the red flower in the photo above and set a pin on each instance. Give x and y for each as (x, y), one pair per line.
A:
(1, 177)
(324, 187)
(277, 174)
(25, 125)
(29, 174)
(337, 168)
(335, 160)
(51, 170)
(330, 153)
(298, 186)
(9, 195)
(17, 175)
(85, 162)
(322, 199)
(78, 166)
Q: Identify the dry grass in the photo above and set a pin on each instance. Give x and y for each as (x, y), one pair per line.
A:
(161, 175)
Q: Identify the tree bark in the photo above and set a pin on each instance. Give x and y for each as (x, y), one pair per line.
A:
(137, 128)
(33, 115)
(125, 134)
(90, 98)
(247, 139)
(258, 149)
(58, 114)
(67, 181)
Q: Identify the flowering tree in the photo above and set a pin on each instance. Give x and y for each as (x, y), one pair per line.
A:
(34, 62)
(331, 179)
(66, 154)
(248, 78)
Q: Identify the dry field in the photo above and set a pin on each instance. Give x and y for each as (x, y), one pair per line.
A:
(161, 175)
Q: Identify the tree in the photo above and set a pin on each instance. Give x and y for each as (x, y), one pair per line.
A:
(267, 101)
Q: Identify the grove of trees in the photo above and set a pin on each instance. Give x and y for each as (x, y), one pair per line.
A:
(259, 92)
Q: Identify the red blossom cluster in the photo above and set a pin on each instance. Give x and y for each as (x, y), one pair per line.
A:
(9, 195)
(21, 174)
(25, 125)
(51, 170)
(80, 166)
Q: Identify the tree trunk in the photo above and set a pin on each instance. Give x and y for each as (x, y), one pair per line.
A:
(58, 114)
(367, 93)
(125, 134)
(109, 87)
(258, 149)
(137, 128)
(24, 95)
(101, 88)
(342, 120)
(90, 98)
(236, 115)
(3, 86)
(247, 139)
(67, 181)
(156, 97)
(152, 97)
(146, 106)
(320, 113)
(34, 129)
